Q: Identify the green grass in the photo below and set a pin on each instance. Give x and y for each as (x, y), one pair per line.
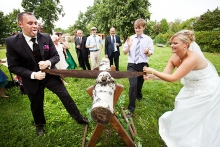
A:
(17, 127)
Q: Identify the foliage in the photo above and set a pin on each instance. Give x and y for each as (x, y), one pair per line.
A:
(58, 30)
(209, 41)
(120, 14)
(45, 10)
(84, 18)
(162, 38)
(12, 21)
(188, 24)
(175, 26)
(3, 28)
(8, 24)
(164, 27)
(208, 21)
(16, 123)
(150, 29)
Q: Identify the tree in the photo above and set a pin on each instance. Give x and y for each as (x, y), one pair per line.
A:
(3, 28)
(164, 27)
(12, 25)
(58, 30)
(45, 10)
(120, 14)
(188, 24)
(151, 29)
(208, 21)
(8, 24)
(175, 26)
(84, 22)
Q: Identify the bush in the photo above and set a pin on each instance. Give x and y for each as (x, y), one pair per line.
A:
(209, 41)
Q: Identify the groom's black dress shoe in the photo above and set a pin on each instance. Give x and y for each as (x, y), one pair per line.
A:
(83, 121)
(40, 131)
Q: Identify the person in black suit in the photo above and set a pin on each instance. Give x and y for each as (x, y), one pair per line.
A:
(81, 50)
(27, 54)
(112, 44)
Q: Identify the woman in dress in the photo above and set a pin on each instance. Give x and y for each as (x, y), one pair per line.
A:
(195, 120)
(62, 64)
(69, 59)
(3, 83)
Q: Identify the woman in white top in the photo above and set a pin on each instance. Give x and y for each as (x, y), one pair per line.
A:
(62, 64)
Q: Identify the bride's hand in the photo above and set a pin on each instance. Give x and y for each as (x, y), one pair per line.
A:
(146, 77)
(148, 70)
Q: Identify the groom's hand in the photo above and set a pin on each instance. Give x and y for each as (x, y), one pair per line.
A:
(39, 75)
(44, 64)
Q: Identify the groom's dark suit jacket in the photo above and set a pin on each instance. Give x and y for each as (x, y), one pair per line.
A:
(21, 60)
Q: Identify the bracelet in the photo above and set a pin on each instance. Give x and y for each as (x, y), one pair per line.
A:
(152, 72)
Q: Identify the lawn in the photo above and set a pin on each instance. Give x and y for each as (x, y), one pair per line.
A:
(16, 123)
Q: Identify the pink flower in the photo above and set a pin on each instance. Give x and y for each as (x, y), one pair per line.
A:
(46, 47)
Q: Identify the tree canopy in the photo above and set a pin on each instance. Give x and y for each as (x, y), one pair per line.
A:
(120, 14)
(208, 21)
(45, 10)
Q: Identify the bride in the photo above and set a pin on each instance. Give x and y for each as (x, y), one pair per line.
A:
(195, 120)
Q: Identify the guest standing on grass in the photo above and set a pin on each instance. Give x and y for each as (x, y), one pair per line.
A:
(27, 54)
(194, 122)
(69, 58)
(94, 43)
(139, 48)
(112, 44)
(62, 64)
(83, 53)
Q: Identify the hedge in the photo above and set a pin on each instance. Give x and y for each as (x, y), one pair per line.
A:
(209, 41)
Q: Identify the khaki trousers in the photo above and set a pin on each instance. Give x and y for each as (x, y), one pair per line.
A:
(95, 59)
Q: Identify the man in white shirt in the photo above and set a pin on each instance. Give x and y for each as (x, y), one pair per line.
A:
(94, 43)
(139, 48)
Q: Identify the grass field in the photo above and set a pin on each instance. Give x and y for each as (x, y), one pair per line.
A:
(16, 122)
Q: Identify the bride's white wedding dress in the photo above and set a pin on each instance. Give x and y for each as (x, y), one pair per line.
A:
(195, 120)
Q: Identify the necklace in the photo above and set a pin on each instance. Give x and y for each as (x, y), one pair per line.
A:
(182, 58)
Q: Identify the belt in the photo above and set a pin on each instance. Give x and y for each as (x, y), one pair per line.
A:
(93, 50)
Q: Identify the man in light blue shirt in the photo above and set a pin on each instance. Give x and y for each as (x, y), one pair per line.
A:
(94, 43)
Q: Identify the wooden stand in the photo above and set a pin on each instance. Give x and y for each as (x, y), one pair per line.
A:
(113, 121)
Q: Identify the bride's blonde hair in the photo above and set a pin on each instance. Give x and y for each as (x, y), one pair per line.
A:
(185, 36)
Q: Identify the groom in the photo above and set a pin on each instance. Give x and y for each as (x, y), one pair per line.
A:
(27, 54)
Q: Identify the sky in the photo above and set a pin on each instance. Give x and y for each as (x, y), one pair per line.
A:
(169, 9)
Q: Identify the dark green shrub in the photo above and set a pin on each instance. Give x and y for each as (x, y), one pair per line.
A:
(209, 41)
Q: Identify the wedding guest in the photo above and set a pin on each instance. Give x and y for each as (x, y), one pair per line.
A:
(3, 82)
(62, 64)
(94, 43)
(69, 58)
(194, 121)
(112, 44)
(59, 34)
(81, 50)
(139, 47)
(28, 53)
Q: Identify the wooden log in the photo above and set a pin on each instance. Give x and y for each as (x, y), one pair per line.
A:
(103, 97)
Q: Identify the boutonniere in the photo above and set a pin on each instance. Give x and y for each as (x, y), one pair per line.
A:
(46, 47)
